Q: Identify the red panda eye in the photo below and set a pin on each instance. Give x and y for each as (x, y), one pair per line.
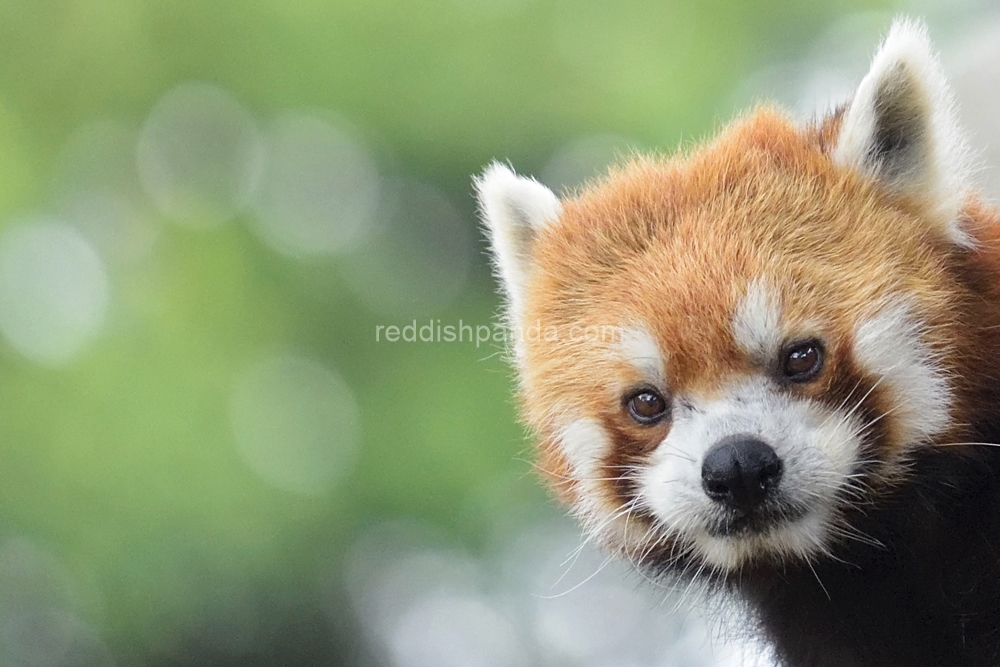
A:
(646, 407)
(803, 361)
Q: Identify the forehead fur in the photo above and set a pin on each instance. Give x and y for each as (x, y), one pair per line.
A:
(675, 243)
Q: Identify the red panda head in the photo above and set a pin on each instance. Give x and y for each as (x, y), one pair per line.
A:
(724, 353)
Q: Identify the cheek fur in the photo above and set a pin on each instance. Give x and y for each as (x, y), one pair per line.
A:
(585, 445)
(855, 396)
(631, 447)
(553, 465)
(597, 465)
(890, 346)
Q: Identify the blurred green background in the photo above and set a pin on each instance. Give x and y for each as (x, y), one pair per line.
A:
(207, 208)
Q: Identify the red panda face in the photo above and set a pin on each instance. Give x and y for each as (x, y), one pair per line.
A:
(725, 354)
(772, 341)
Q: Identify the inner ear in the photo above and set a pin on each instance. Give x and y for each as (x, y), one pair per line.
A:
(900, 147)
(901, 130)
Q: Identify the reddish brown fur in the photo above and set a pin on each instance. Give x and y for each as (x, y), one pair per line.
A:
(673, 242)
(850, 507)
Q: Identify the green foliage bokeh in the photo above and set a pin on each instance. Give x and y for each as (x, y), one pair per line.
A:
(123, 463)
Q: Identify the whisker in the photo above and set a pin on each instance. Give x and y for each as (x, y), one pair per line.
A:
(589, 535)
(818, 580)
(607, 561)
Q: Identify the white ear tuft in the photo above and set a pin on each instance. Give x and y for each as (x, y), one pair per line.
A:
(901, 128)
(514, 209)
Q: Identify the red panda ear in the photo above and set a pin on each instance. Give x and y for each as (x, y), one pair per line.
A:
(901, 128)
(514, 209)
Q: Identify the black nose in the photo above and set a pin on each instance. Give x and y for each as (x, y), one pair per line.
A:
(740, 471)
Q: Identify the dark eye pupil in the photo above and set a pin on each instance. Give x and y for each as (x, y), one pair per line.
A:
(647, 406)
(803, 362)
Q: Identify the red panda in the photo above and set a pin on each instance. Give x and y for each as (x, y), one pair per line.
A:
(771, 365)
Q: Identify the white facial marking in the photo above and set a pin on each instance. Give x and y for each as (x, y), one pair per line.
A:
(890, 346)
(818, 449)
(585, 444)
(639, 348)
(757, 322)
